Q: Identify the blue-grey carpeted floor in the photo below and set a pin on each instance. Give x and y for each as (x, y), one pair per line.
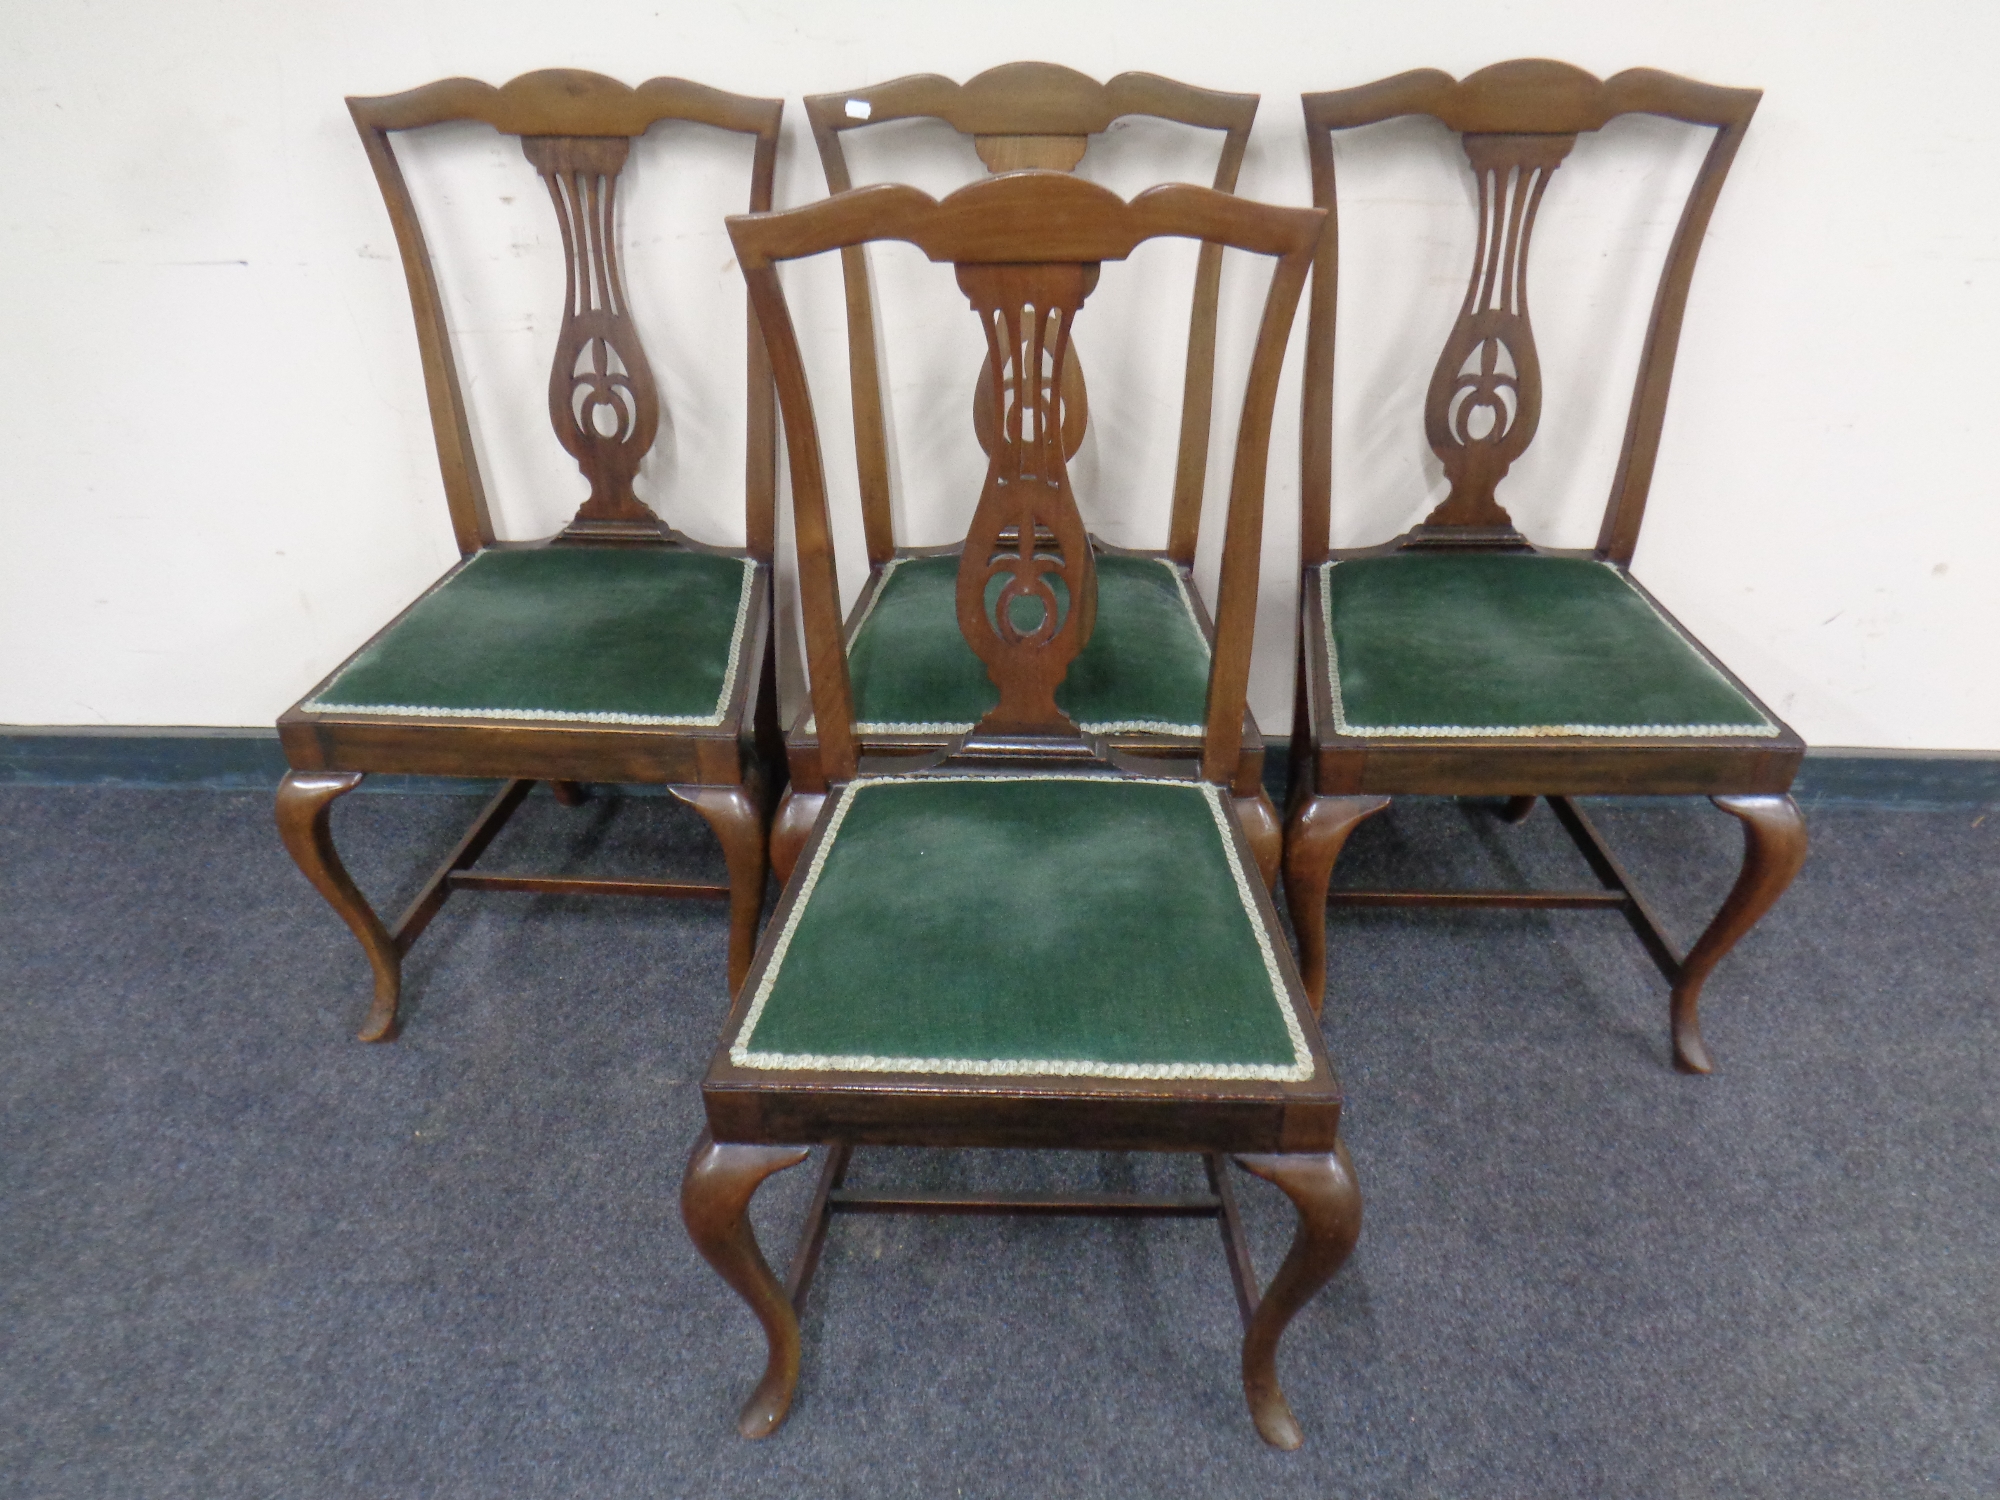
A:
(242, 1255)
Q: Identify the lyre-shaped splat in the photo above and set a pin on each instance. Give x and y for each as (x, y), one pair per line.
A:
(1485, 396)
(1026, 535)
(602, 399)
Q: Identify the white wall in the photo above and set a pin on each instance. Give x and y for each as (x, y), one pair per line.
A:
(216, 473)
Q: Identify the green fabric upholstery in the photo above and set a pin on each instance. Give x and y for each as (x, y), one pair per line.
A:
(1034, 925)
(1144, 669)
(614, 635)
(1514, 644)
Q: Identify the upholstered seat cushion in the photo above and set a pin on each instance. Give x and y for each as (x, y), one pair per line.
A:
(1083, 926)
(613, 635)
(1144, 669)
(1512, 645)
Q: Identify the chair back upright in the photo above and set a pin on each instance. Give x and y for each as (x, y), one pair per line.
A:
(1030, 115)
(1517, 121)
(1027, 249)
(576, 129)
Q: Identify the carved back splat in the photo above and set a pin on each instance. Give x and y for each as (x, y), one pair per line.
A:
(1485, 396)
(602, 399)
(1027, 248)
(1026, 530)
(1518, 121)
(576, 129)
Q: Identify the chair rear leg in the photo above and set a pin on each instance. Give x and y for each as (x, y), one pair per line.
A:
(716, 1190)
(1317, 829)
(570, 793)
(736, 813)
(1517, 809)
(1774, 847)
(304, 808)
(1323, 1190)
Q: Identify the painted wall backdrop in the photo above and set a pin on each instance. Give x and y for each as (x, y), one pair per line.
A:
(217, 475)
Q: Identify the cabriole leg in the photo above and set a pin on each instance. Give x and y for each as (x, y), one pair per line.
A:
(304, 808)
(721, 1178)
(1774, 847)
(1323, 1190)
(1262, 831)
(737, 815)
(793, 826)
(1319, 826)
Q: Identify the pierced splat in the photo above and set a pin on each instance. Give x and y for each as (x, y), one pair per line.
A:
(1485, 397)
(602, 400)
(1027, 585)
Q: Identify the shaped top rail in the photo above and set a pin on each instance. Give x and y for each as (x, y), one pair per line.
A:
(1531, 96)
(568, 101)
(1031, 98)
(1024, 217)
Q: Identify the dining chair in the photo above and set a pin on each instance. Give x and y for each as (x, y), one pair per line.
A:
(1028, 939)
(1461, 659)
(618, 650)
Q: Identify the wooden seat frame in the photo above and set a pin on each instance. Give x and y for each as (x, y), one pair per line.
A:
(1026, 115)
(1517, 120)
(1033, 241)
(576, 129)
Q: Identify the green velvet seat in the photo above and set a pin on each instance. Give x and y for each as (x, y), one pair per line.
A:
(1035, 925)
(606, 635)
(1144, 669)
(1514, 645)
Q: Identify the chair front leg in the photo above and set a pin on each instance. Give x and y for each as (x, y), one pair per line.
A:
(736, 814)
(1323, 1190)
(797, 813)
(1774, 847)
(1317, 829)
(304, 808)
(721, 1178)
(1263, 833)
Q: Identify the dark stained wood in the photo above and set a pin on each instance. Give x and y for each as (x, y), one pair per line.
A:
(602, 401)
(560, 885)
(738, 816)
(304, 806)
(1026, 532)
(1323, 1190)
(484, 830)
(1032, 115)
(1517, 121)
(1010, 220)
(792, 827)
(1774, 847)
(1026, 248)
(1019, 116)
(576, 129)
(1314, 834)
(716, 1189)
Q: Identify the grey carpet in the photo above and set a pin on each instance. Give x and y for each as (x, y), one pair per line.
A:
(243, 1255)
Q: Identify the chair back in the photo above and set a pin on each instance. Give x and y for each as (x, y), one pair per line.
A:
(576, 130)
(1027, 249)
(1517, 122)
(1031, 115)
